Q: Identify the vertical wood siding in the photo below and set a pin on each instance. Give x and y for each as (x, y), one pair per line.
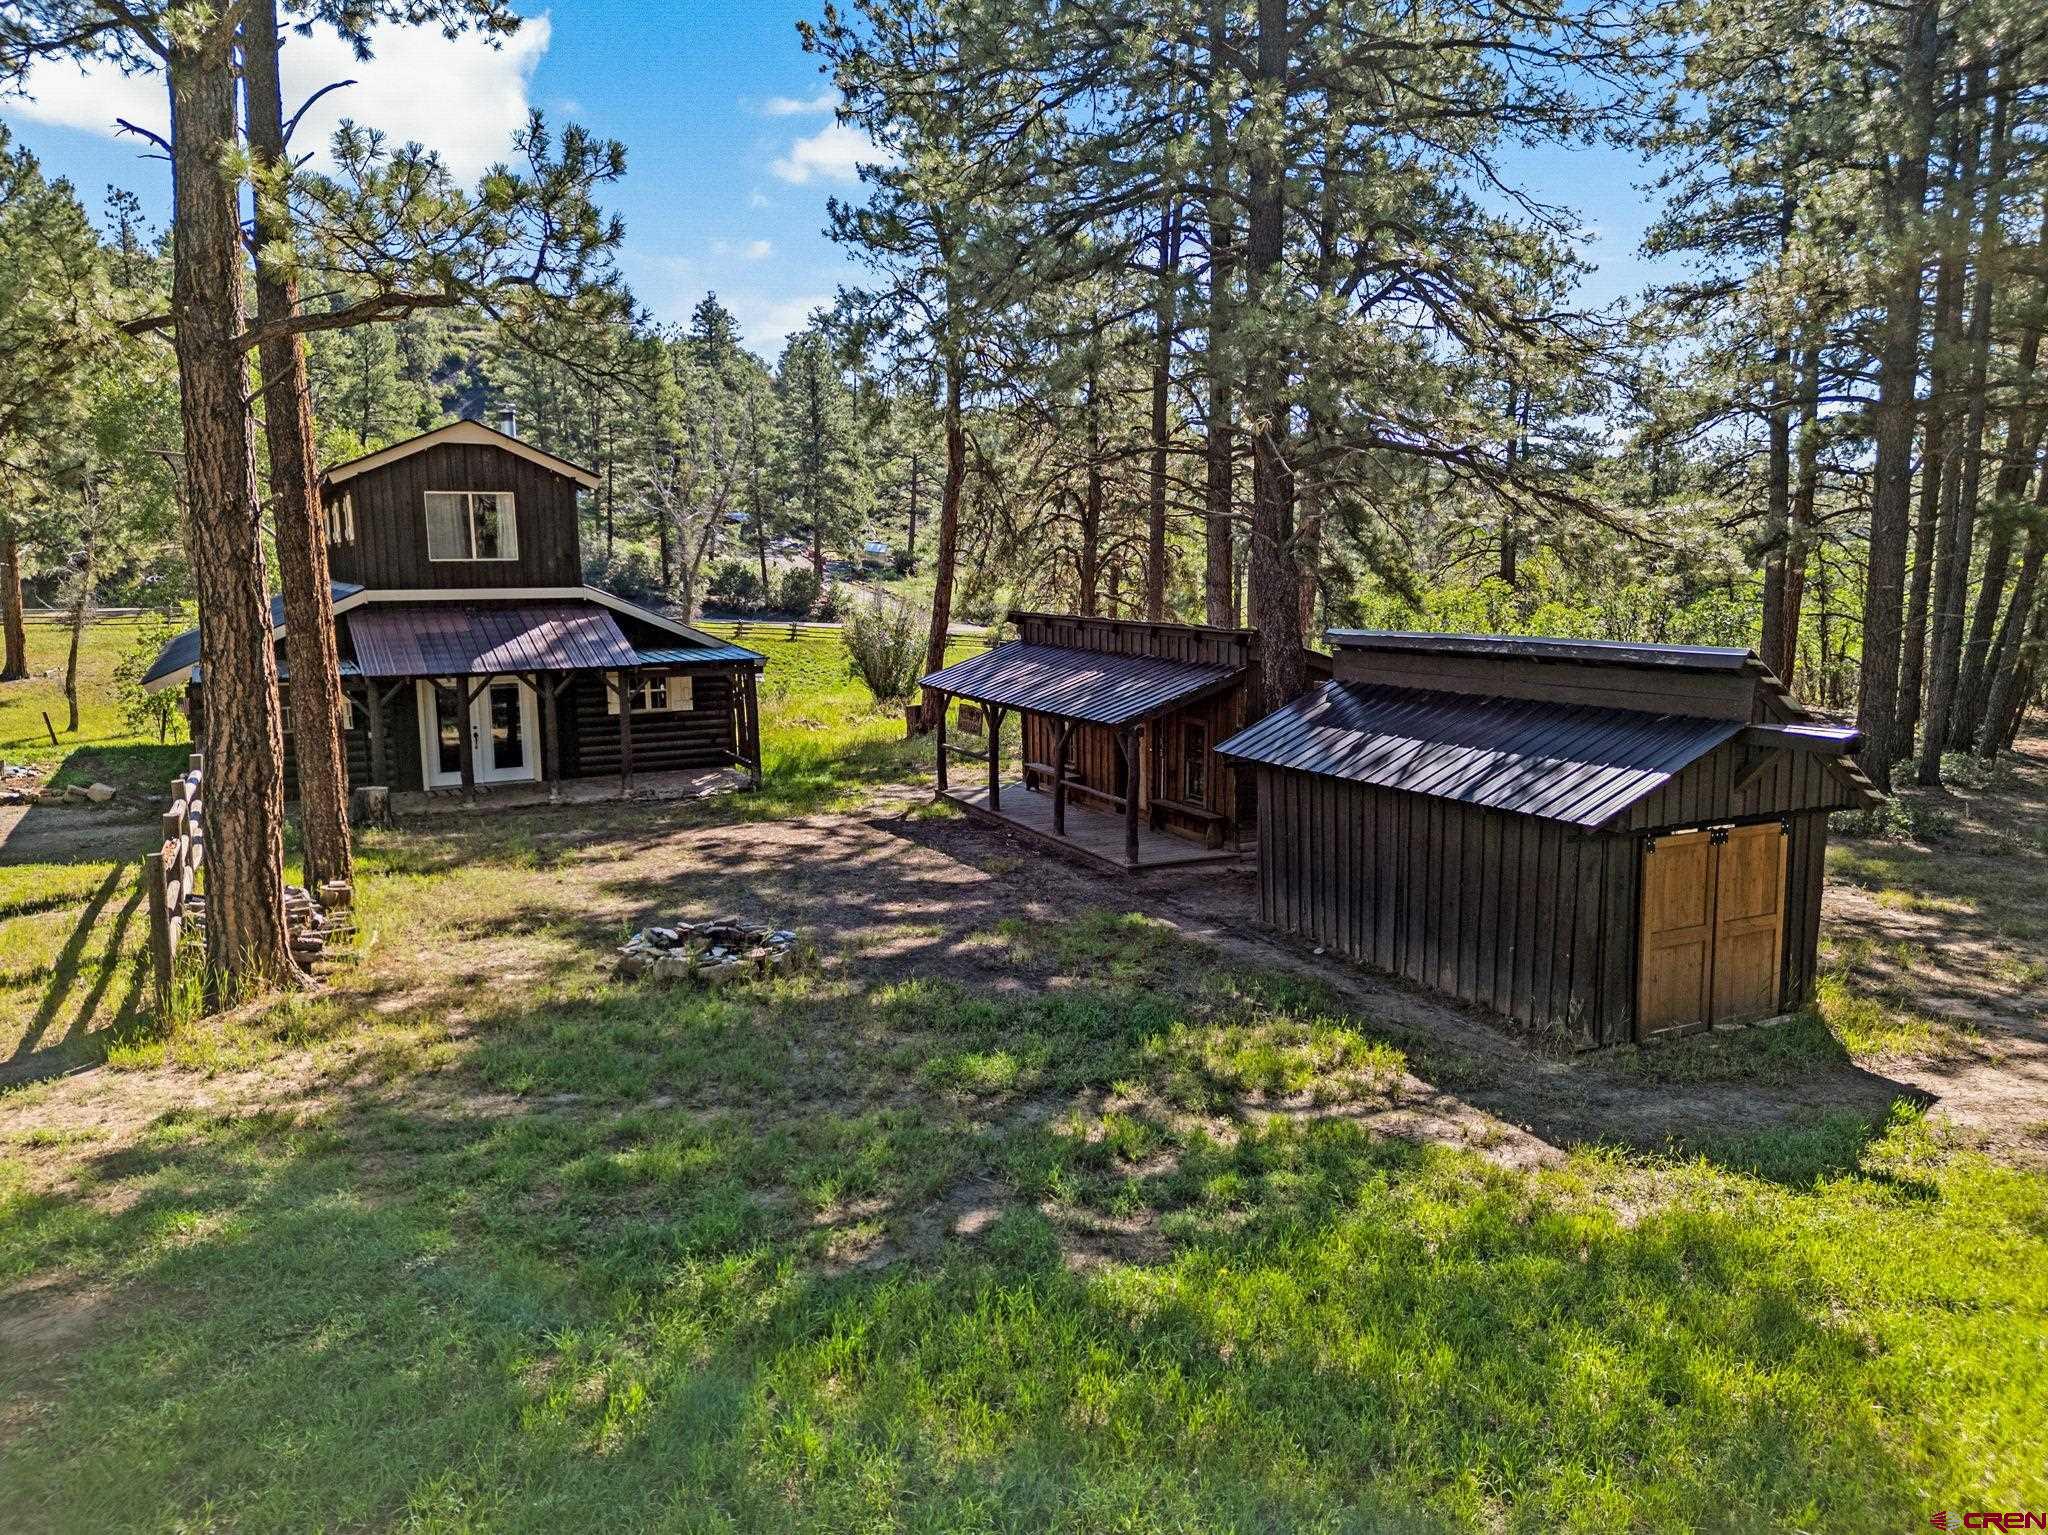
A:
(1524, 917)
(390, 545)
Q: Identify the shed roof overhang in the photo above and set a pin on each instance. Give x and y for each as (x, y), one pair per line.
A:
(1093, 687)
(472, 433)
(1580, 764)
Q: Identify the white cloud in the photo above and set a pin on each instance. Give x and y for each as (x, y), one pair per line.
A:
(757, 200)
(791, 106)
(745, 250)
(834, 153)
(458, 96)
(766, 321)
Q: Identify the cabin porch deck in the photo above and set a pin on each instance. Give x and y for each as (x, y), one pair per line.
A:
(1093, 835)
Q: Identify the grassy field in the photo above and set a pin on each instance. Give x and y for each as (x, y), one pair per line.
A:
(1015, 1211)
(104, 748)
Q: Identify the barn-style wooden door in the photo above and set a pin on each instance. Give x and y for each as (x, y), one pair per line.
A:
(1713, 928)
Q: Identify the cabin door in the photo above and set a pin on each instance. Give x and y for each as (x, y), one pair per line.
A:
(504, 737)
(1713, 928)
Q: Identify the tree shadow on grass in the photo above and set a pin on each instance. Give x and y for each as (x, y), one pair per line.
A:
(386, 1312)
(103, 943)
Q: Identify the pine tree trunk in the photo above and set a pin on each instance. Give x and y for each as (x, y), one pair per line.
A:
(15, 665)
(1799, 529)
(1162, 384)
(246, 943)
(2022, 442)
(317, 704)
(1952, 593)
(948, 549)
(1091, 508)
(1777, 514)
(1273, 576)
(2008, 673)
(1892, 415)
(1219, 577)
(81, 603)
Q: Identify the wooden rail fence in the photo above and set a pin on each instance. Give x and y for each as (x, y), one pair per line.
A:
(169, 874)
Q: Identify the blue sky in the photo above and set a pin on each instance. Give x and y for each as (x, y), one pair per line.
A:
(731, 147)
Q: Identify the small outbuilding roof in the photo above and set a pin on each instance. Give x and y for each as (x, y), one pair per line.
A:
(1575, 763)
(1703, 658)
(1096, 687)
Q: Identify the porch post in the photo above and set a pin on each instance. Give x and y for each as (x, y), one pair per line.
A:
(753, 707)
(465, 724)
(625, 733)
(378, 766)
(1059, 777)
(1129, 741)
(995, 756)
(939, 727)
(551, 735)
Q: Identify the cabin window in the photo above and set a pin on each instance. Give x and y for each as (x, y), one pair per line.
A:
(1194, 764)
(653, 693)
(471, 525)
(341, 519)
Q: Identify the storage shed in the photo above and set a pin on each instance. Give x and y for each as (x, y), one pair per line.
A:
(1612, 841)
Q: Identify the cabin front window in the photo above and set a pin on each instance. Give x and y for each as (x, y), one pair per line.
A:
(1195, 763)
(471, 525)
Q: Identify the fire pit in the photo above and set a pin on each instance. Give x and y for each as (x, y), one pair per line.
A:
(727, 949)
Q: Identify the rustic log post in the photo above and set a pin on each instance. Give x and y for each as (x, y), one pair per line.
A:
(379, 767)
(1059, 777)
(551, 732)
(625, 733)
(1129, 741)
(935, 716)
(993, 740)
(465, 725)
(752, 694)
(160, 946)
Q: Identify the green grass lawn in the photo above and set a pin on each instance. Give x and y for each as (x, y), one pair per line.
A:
(589, 1254)
(104, 748)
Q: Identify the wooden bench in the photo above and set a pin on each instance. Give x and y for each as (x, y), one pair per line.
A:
(1212, 822)
(1038, 775)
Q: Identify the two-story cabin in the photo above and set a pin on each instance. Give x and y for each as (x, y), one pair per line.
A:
(472, 653)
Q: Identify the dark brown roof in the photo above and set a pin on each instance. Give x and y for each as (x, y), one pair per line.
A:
(1711, 658)
(1564, 762)
(442, 639)
(1089, 685)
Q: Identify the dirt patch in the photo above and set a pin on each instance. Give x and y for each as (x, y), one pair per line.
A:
(73, 834)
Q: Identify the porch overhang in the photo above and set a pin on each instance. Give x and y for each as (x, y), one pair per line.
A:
(1089, 687)
(446, 640)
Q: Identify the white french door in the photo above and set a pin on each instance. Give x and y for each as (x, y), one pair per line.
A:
(504, 735)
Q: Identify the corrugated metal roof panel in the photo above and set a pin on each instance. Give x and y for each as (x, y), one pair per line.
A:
(439, 639)
(1564, 762)
(1713, 658)
(697, 655)
(1097, 687)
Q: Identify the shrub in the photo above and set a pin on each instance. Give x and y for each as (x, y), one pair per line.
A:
(905, 563)
(735, 583)
(885, 648)
(630, 575)
(798, 591)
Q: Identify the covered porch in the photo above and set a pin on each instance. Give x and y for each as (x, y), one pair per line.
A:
(542, 701)
(1068, 696)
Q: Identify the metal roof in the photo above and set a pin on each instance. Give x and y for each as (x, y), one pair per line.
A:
(434, 639)
(697, 655)
(1713, 658)
(1574, 763)
(182, 653)
(1095, 686)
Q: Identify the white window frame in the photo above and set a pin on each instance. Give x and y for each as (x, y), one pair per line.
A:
(508, 527)
(341, 520)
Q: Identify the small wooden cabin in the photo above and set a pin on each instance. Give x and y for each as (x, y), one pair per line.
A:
(1121, 718)
(471, 652)
(1613, 841)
